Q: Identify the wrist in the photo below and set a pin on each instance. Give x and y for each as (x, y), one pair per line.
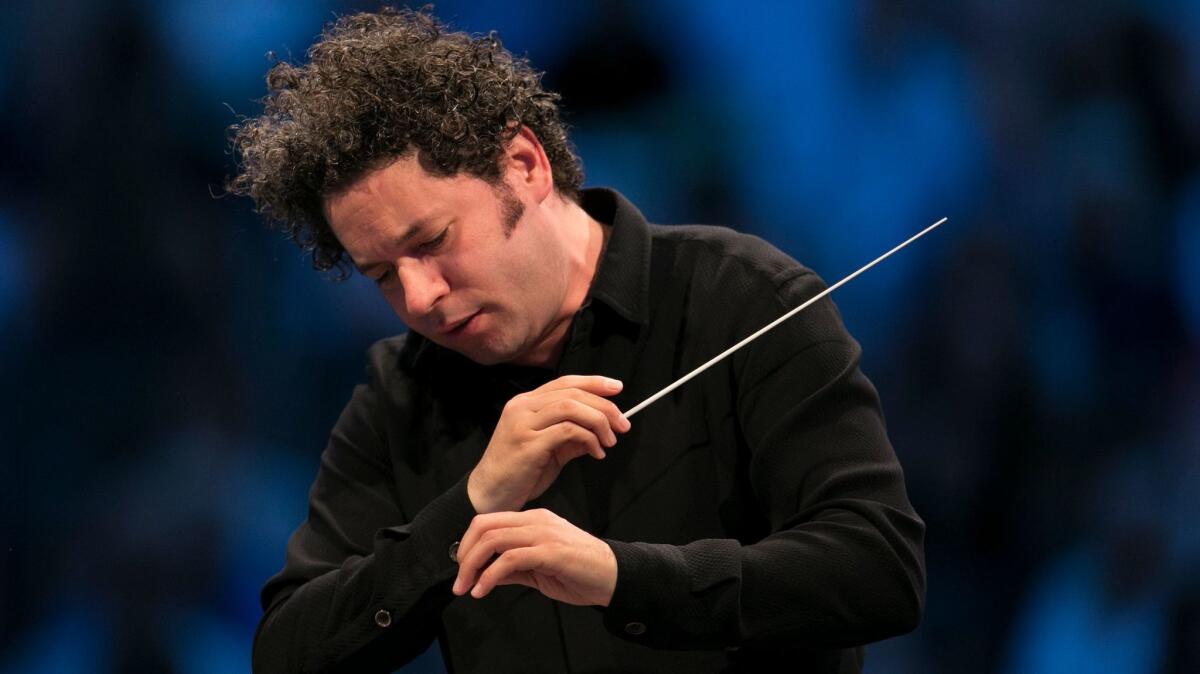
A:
(480, 497)
(609, 582)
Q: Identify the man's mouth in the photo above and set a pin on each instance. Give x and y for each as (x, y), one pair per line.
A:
(457, 326)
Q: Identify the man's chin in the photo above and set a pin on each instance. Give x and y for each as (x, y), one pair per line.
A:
(486, 358)
(485, 351)
(483, 354)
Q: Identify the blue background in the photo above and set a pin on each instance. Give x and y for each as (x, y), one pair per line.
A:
(171, 368)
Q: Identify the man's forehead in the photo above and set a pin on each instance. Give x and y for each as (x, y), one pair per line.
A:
(399, 188)
(370, 185)
(371, 202)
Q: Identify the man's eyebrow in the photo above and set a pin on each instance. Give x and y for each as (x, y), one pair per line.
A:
(412, 230)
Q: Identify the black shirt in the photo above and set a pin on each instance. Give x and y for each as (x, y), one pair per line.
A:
(756, 513)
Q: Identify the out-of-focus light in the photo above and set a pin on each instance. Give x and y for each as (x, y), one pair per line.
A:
(221, 45)
(14, 273)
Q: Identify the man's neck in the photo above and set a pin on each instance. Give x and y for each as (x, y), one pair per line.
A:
(584, 240)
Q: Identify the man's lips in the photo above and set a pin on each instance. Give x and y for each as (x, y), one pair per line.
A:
(455, 326)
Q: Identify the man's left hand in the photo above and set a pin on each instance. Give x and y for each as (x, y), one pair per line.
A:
(538, 549)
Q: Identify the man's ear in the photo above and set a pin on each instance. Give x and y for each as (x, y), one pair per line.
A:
(526, 167)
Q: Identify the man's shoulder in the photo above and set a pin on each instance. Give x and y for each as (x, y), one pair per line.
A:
(394, 358)
(714, 250)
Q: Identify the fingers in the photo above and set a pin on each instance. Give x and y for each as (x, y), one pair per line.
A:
(490, 544)
(570, 441)
(516, 566)
(596, 384)
(576, 414)
(562, 404)
(538, 549)
(482, 524)
(495, 533)
(587, 389)
(526, 578)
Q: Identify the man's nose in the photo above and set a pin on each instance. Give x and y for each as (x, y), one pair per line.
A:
(423, 285)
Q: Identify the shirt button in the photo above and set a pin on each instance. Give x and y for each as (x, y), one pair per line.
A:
(383, 617)
(635, 628)
(454, 552)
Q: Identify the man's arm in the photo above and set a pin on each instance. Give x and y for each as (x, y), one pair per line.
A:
(844, 562)
(361, 590)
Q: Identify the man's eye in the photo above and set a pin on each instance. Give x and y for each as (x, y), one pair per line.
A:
(436, 242)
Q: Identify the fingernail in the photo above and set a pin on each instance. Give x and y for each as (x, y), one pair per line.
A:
(613, 384)
(625, 423)
(476, 592)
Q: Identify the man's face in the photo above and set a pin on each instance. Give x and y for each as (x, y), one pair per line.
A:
(458, 259)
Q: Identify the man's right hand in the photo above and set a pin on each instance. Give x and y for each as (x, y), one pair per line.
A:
(538, 433)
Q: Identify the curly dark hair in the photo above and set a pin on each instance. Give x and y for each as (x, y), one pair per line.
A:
(378, 87)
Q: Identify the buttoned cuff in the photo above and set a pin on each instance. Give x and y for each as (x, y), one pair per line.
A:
(650, 579)
(675, 596)
(429, 539)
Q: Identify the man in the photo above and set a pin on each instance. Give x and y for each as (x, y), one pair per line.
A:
(483, 488)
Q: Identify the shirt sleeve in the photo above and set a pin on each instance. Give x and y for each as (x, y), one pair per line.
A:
(844, 562)
(361, 589)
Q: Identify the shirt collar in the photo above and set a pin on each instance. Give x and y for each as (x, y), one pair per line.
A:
(623, 278)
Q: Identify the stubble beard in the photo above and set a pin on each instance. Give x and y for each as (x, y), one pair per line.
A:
(511, 208)
(494, 351)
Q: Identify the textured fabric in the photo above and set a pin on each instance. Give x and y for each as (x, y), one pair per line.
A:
(758, 513)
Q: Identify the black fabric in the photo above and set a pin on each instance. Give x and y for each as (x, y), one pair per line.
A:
(758, 513)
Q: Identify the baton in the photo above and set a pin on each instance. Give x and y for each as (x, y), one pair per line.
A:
(716, 359)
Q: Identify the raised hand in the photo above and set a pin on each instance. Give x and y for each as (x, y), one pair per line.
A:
(538, 433)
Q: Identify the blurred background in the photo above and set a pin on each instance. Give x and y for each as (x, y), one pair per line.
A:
(173, 368)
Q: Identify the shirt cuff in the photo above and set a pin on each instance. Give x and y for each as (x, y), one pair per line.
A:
(432, 534)
(650, 580)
